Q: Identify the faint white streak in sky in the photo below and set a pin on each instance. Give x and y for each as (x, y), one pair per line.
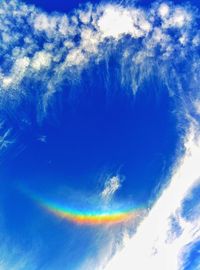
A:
(5, 139)
(165, 234)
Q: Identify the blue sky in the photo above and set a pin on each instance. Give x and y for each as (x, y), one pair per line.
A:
(97, 103)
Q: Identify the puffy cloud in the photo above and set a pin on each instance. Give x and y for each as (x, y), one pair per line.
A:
(117, 21)
(41, 59)
(178, 19)
(164, 10)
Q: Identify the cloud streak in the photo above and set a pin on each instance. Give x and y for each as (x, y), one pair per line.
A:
(5, 138)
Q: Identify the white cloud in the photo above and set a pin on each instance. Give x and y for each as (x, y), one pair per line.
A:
(164, 10)
(157, 244)
(196, 40)
(89, 33)
(178, 18)
(17, 73)
(75, 57)
(117, 21)
(5, 138)
(48, 24)
(85, 15)
(111, 186)
(41, 59)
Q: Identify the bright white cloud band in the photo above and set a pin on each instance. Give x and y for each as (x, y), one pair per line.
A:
(48, 49)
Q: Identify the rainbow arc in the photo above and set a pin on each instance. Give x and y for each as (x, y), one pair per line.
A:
(89, 217)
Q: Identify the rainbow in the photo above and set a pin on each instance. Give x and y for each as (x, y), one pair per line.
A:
(89, 217)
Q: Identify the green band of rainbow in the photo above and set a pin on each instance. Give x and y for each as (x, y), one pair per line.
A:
(91, 217)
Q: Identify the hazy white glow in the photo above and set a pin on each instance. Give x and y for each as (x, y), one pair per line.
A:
(156, 244)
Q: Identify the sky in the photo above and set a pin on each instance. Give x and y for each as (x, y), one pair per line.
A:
(99, 135)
